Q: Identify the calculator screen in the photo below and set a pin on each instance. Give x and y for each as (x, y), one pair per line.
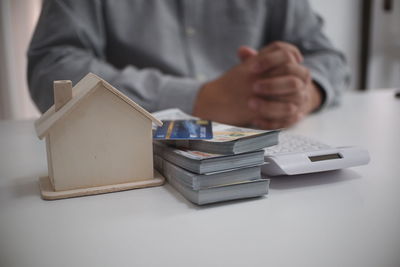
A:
(325, 157)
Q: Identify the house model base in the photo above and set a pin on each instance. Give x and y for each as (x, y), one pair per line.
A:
(47, 192)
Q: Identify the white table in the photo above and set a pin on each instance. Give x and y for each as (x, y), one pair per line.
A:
(342, 218)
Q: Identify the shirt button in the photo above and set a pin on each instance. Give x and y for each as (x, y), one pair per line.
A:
(190, 31)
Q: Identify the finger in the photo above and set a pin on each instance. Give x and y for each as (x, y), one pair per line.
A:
(284, 46)
(274, 110)
(278, 86)
(297, 70)
(267, 61)
(246, 52)
(298, 99)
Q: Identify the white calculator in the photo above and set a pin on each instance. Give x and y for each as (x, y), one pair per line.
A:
(296, 154)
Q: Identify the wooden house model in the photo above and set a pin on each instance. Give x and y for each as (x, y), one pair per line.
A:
(97, 140)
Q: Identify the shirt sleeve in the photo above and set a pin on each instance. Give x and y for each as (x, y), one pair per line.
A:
(70, 41)
(328, 67)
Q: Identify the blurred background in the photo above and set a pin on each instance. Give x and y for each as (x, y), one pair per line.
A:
(367, 31)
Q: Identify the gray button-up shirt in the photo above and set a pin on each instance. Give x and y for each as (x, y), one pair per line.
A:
(160, 52)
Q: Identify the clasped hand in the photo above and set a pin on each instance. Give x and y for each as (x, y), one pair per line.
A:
(269, 89)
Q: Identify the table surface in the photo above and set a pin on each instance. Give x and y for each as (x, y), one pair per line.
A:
(342, 218)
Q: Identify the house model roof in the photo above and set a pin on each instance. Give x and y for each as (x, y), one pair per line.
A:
(82, 90)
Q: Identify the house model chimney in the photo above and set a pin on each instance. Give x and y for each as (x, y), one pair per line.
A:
(62, 93)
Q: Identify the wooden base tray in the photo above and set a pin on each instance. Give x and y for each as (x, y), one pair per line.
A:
(47, 192)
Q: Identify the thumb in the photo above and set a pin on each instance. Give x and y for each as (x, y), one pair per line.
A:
(246, 52)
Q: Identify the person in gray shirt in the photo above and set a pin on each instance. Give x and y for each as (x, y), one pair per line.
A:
(259, 63)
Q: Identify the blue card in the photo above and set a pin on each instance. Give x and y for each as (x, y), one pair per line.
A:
(184, 130)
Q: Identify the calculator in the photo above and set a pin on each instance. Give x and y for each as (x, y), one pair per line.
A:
(296, 154)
